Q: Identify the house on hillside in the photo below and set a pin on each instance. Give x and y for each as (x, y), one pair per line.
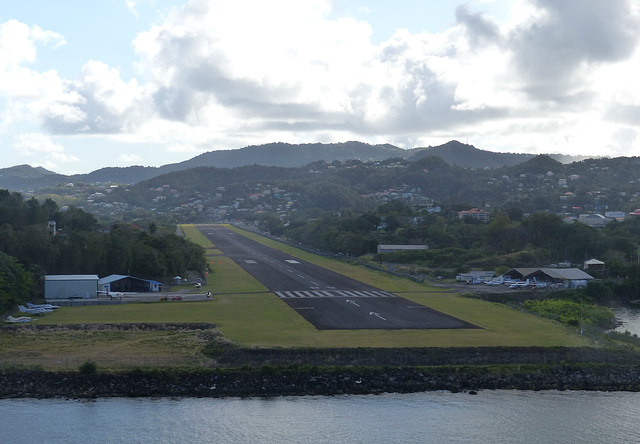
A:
(593, 265)
(68, 286)
(475, 213)
(593, 220)
(475, 276)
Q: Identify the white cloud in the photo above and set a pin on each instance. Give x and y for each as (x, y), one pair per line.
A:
(55, 39)
(556, 76)
(184, 148)
(129, 158)
(47, 153)
(131, 6)
(26, 92)
(104, 104)
(283, 60)
(287, 67)
(32, 144)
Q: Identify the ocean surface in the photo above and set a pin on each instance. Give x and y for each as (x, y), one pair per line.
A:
(629, 318)
(435, 417)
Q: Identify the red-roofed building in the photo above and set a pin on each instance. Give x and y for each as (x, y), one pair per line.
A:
(476, 213)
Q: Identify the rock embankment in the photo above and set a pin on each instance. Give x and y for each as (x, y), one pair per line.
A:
(269, 381)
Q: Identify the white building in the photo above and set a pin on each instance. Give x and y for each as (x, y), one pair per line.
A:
(394, 248)
(593, 220)
(67, 286)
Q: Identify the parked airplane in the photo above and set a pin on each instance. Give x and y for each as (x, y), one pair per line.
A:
(495, 281)
(539, 284)
(47, 306)
(37, 311)
(519, 284)
(20, 319)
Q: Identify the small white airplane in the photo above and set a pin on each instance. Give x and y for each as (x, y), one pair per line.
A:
(539, 284)
(37, 311)
(47, 306)
(20, 319)
(519, 284)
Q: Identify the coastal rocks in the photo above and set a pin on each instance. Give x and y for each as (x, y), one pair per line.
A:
(271, 381)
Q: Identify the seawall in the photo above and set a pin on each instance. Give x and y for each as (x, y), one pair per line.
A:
(271, 381)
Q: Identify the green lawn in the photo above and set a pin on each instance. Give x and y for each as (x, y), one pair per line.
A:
(67, 349)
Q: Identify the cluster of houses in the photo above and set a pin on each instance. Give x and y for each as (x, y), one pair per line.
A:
(596, 220)
(226, 204)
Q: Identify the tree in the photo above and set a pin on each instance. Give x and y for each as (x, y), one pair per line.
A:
(74, 219)
(16, 284)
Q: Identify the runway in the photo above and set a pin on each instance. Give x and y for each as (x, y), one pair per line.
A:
(326, 299)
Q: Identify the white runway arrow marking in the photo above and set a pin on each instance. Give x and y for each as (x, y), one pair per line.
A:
(377, 315)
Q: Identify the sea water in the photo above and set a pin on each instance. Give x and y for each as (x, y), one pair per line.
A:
(434, 417)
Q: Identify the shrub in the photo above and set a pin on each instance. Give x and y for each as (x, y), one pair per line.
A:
(572, 313)
(88, 367)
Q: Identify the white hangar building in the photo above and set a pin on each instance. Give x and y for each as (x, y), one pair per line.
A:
(67, 286)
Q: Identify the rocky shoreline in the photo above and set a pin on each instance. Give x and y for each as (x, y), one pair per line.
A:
(270, 381)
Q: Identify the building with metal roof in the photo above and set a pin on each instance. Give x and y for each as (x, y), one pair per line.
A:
(68, 286)
(566, 277)
(127, 284)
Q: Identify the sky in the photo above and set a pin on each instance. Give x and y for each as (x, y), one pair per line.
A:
(86, 85)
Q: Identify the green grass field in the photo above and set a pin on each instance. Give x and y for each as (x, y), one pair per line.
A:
(247, 313)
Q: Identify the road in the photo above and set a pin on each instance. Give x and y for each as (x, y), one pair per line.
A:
(326, 299)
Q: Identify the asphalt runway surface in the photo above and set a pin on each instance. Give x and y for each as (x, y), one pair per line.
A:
(328, 300)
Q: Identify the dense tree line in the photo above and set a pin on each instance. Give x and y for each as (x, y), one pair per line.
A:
(510, 239)
(29, 247)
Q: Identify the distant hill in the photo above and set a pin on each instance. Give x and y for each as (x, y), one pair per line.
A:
(468, 156)
(26, 178)
(23, 177)
(289, 155)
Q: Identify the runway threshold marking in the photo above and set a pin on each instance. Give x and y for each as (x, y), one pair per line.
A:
(316, 293)
(377, 315)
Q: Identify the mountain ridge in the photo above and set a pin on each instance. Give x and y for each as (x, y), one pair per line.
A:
(27, 178)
